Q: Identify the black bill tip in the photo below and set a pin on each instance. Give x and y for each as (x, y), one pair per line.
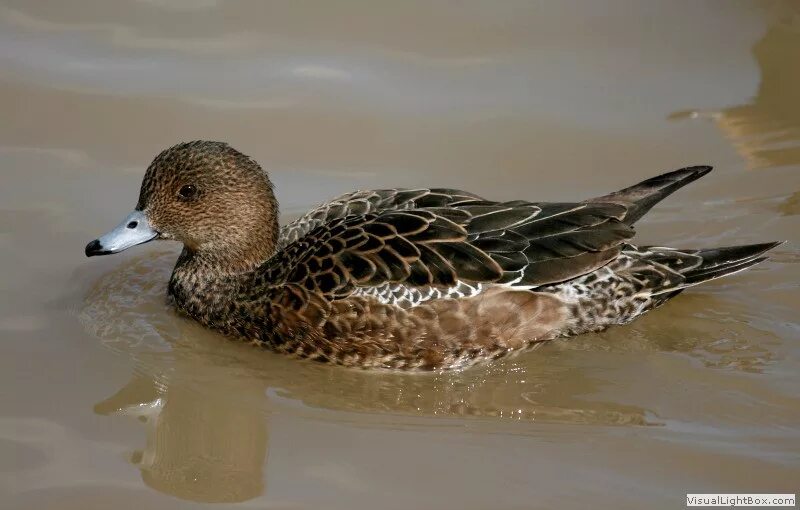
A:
(95, 248)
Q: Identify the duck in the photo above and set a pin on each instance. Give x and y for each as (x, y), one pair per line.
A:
(426, 279)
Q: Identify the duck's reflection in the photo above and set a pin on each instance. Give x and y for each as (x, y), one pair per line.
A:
(202, 443)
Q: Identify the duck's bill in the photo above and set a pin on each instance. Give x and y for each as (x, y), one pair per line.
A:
(135, 229)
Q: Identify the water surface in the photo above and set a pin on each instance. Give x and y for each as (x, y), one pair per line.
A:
(109, 398)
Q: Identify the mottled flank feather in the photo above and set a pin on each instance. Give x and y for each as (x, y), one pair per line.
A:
(413, 279)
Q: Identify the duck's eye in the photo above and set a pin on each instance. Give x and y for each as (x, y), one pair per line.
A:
(187, 191)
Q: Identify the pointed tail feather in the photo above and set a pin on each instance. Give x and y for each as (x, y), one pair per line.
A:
(641, 197)
(699, 266)
(718, 262)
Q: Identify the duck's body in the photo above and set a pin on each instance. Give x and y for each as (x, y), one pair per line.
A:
(411, 279)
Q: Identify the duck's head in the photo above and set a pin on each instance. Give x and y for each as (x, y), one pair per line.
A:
(212, 198)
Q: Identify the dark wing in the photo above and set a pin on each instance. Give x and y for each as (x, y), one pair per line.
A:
(440, 237)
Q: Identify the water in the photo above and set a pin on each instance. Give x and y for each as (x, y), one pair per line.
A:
(109, 398)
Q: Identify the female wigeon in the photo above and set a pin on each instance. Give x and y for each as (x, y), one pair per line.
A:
(413, 279)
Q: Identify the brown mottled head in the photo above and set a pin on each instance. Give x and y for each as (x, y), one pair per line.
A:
(215, 200)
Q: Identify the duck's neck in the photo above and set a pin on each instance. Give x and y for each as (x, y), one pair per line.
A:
(205, 282)
(216, 264)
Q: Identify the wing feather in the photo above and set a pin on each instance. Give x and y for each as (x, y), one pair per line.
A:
(438, 237)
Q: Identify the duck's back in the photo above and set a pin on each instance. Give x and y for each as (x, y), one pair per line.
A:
(440, 238)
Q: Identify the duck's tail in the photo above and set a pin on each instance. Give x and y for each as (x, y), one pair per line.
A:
(641, 197)
(718, 262)
(646, 277)
(693, 266)
(698, 266)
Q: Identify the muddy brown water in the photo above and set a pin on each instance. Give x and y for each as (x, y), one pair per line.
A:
(109, 400)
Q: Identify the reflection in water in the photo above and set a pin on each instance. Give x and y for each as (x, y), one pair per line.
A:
(200, 445)
(791, 205)
(207, 402)
(766, 131)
